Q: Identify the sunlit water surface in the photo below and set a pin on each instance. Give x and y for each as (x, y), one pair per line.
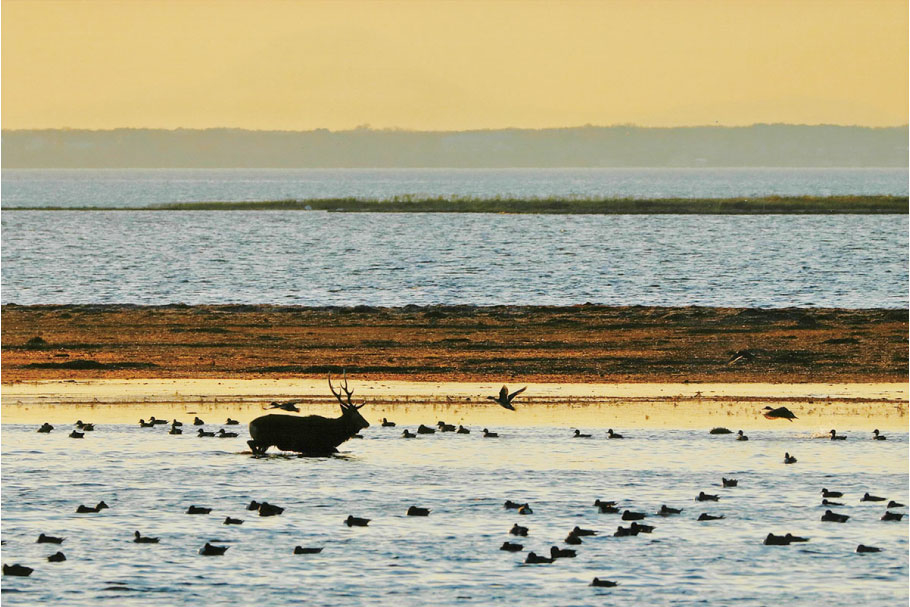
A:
(452, 557)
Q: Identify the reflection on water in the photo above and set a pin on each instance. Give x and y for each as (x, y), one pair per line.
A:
(149, 479)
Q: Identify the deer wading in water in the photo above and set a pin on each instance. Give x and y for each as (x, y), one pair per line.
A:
(312, 435)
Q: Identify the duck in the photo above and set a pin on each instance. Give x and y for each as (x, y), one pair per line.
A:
(599, 502)
(510, 505)
(444, 427)
(533, 559)
(302, 550)
(704, 497)
(231, 422)
(525, 509)
(75, 434)
(177, 424)
(49, 539)
(778, 413)
(611, 434)
(892, 516)
(198, 422)
(510, 547)
(741, 436)
(826, 493)
(145, 424)
(642, 528)
(417, 511)
(789, 459)
(101, 506)
(606, 507)
(154, 421)
(776, 540)
(519, 530)
(878, 436)
(209, 550)
(203, 433)
(729, 482)
(138, 539)
(408, 434)
(572, 540)
(599, 583)
(387, 424)
(232, 521)
(833, 517)
(488, 434)
(83, 426)
(704, 516)
(561, 553)
(83, 509)
(353, 521)
(871, 498)
(267, 509)
(830, 503)
(462, 430)
(863, 548)
(578, 434)
(253, 505)
(505, 399)
(893, 504)
(720, 430)
(834, 435)
(18, 570)
(223, 434)
(628, 515)
(421, 429)
(45, 428)
(667, 511)
(624, 532)
(582, 532)
(175, 430)
(198, 510)
(57, 557)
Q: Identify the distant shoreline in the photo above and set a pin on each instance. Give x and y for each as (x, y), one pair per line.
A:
(769, 205)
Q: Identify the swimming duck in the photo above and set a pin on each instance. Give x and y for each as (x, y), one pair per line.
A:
(175, 430)
(561, 553)
(642, 528)
(510, 547)
(253, 505)
(623, 532)
(203, 433)
(720, 430)
(417, 511)
(582, 532)
(198, 510)
(223, 434)
(599, 583)
(599, 502)
(789, 459)
(353, 521)
(729, 482)
(525, 509)
(232, 521)
(101, 506)
(17, 569)
(387, 424)
(408, 434)
(611, 434)
(444, 427)
(779, 413)
(198, 422)
(776, 540)
(75, 434)
(704, 516)
(138, 539)
(861, 548)
(830, 503)
(833, 517)
(145, 424)
(267, 509)
(826, 493)
(892, 516)
(519, 530)
(421, 429)
(834, 435)
(667, 511)
(741, 436)
(154, 421)
(606, 507)
(231, 422)
(83, 426)
(57, 557)
(45, 428)
(871, 498)
(462, 430)
(209, 550)
(488, 434)
(572, 540)
(877, 436)
(628, 515)
(796, 538)
(49, 539)
(893, 504)
(578, 434)
(510, 505)
(177, 424)
(533, 559)
(704, 497)
(83, 509)
(302, 550)
(505, 399)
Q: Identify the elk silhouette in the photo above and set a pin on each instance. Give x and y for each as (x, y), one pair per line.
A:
(312, 435)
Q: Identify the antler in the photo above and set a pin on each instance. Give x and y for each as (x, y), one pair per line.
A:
(347, 392)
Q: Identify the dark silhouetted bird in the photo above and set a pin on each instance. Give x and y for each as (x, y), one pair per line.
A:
(861, 548)
(288, 405)
(232, 521)
(778, 413)
(417, 511)
(833, 517)
(533, 559)
(877, 436)
(302, 550)
(834, 435)
(789, 459)
(17, 569)
(510, 547)
(505, 399)
(353, 521)
(45, 428)
(198, 510)
(209, 550)
(611, 434)
(57, 557)
(599, 583)
(138, 539)
(871, 498)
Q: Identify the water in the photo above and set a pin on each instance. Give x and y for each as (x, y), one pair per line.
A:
(316, 258)
(141, 187)
(451, 558)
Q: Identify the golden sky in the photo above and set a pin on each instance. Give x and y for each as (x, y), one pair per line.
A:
(451, 65)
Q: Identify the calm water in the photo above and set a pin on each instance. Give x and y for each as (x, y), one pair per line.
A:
(452, 557)
(141, 187)
(316, 258)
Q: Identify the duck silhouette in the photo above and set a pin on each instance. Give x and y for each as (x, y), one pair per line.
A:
(534, 559)
(892, 516)
(75, 434)
(704, 497)
(776, 540)
(878, 436)
(145, 424)
(83, 426)
(232, 521)
(796, 538)
(421, 429)
(741, 436)
(789, 459)
(871, 498)
(488, 434)
(519, 530)
(387, 424)
(408, 434)
(833, 517)
(198, 510)
(834, 435)
(778, 413)
(830, 503)
(642, 528)
(578, 434)
(209, 550)
(156, 422)
(231, 422)
(572, 540)
(267, 509)
(525, 509)
(628, 515)
(720, 430)
(728, 482)
(57, 557)
(175, 430)
(561, 553)
(462, 430)
(505, 399)
(582, 532)
(223, 434)
(704, 516)
(510, 547)
(353, 521)
(139, 539)
(302, 550)
(49, 539)
(253, 505)
(893, 504)
(198, 422)
(863, 548)
(826, 493)
(45, 428)
(667, 511)
(444, 427)
(599, 583)
(175, 423)
(624, 532)
(17, 570)
(611, 434)
(202, 434)
(417, 511)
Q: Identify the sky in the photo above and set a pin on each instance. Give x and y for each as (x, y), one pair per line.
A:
(436, 65)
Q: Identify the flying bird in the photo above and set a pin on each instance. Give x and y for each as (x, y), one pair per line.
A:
(779, 413)
(505, 399)
(288, 405)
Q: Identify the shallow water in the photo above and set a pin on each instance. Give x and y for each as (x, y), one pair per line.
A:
(451, 558)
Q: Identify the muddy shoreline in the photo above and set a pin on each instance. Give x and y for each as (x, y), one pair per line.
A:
(578, 344)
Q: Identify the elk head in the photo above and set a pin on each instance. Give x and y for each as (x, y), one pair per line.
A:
(349, 411)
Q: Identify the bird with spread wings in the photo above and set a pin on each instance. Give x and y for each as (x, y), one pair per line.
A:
(505, 399)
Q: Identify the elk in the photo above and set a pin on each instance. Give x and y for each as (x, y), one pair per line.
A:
(312, 435)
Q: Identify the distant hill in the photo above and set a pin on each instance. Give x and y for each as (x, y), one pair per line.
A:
(766, 145)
